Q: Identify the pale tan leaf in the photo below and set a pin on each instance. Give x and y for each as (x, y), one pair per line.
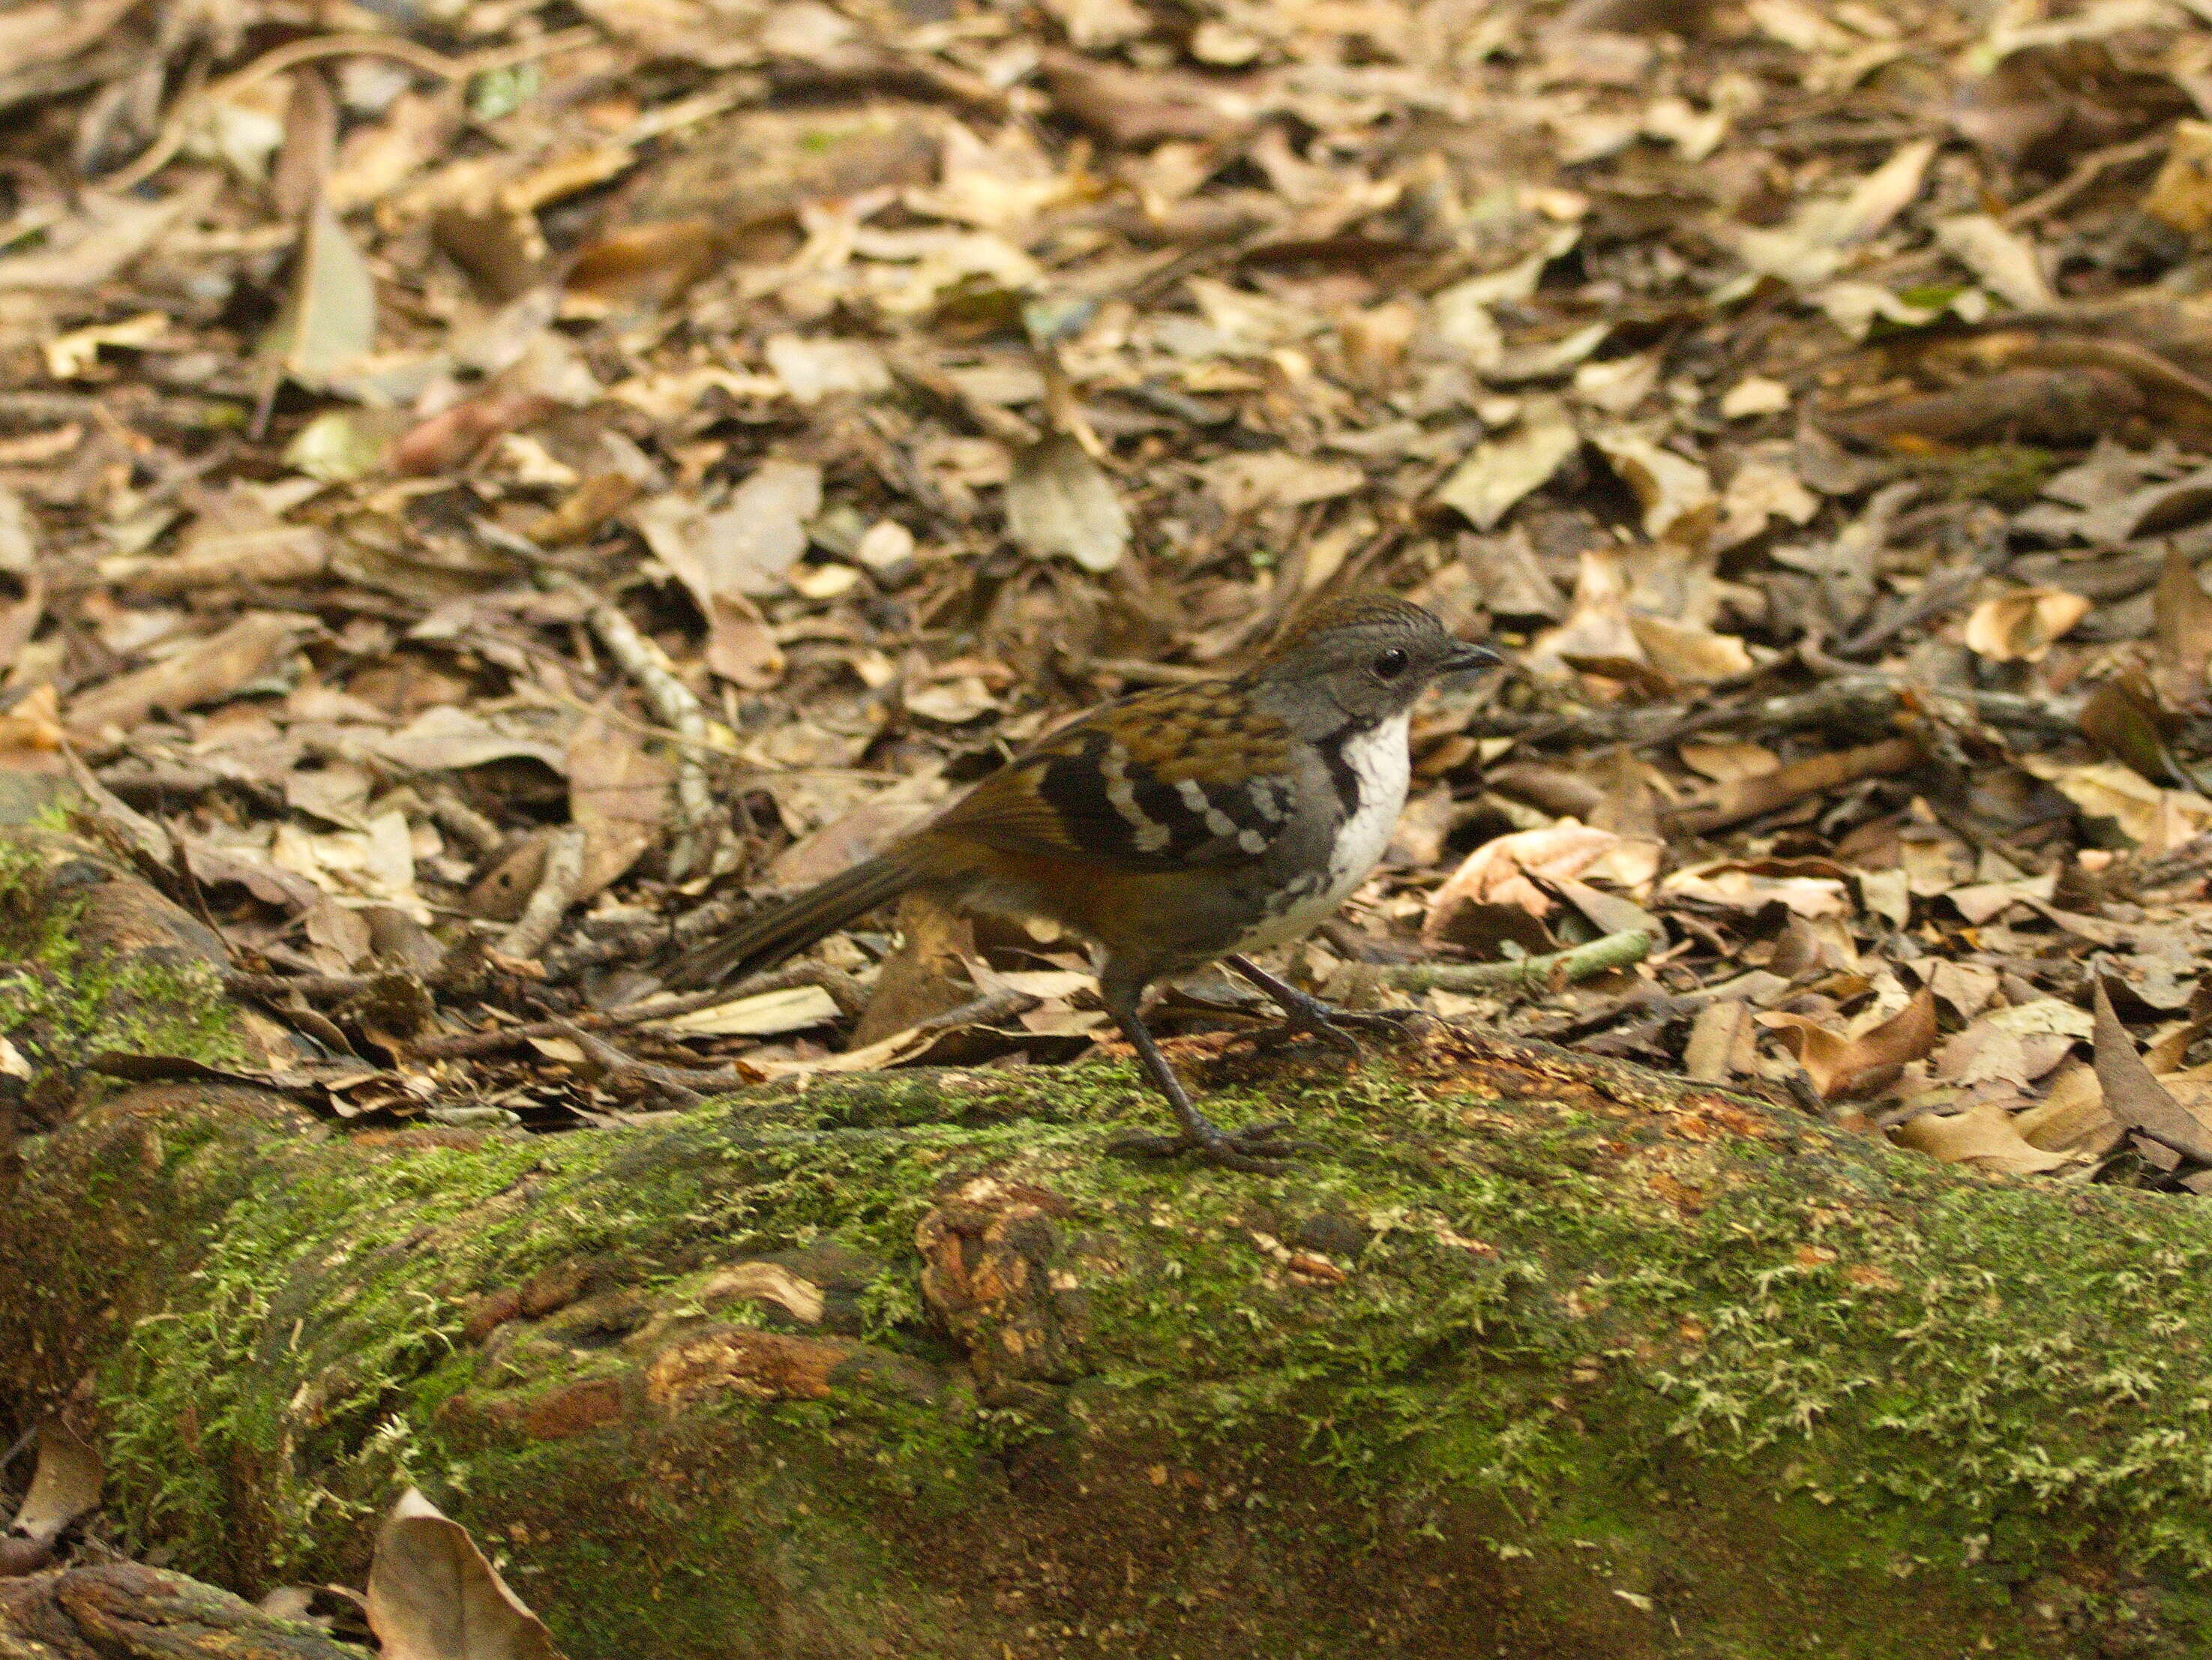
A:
(796, 1008)
(434, 1596)
(330, 323)
(1061, 502)
(618, 793)
(66, 1485)
(204, 673)
(1501, 471)
(2021, 626)
(1985, 1137)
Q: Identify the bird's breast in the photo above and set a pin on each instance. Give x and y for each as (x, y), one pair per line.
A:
(1369, 770)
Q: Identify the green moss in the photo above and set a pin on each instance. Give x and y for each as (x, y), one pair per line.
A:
(1803, 1380)
(63, 1000)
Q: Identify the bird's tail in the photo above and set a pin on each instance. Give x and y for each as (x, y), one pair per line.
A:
(764, 939)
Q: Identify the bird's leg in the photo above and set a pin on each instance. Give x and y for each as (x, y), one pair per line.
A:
(1258, 1148)
(1301, 1012)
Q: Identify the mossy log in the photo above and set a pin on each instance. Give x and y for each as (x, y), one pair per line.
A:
(124, 1611)
(1533, 1355)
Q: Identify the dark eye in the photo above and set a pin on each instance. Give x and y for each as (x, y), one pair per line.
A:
(1389, 664)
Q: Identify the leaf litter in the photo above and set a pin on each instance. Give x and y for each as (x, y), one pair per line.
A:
(478, 508)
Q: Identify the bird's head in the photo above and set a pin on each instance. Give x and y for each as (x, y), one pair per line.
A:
(1370, 655)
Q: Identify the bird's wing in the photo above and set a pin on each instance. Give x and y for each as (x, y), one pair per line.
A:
(1182, 776)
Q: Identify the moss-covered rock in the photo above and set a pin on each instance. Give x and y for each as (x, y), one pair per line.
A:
(1530, 1355)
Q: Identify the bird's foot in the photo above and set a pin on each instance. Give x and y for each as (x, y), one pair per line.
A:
(1255, 1149)
(1308, 1016)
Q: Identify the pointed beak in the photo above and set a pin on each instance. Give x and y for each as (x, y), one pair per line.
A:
(1467, 655)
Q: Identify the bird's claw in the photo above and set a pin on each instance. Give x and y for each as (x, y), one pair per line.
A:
(1256, 1149)
(1312, 1017)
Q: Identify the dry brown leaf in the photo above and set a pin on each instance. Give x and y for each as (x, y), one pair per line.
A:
(618, 792)
(2181, 614)
(236, 539)
(1986, 1137)
(724, 558)
(1841, 1066)
(1677, 494)
(1506, 871)
(2020, 627)
(1485, 487)
(1060, 501)
(205, 673)
(1722, 1043)
(2133, 1097)
(434, 1596)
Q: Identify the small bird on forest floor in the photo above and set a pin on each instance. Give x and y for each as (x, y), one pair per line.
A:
(1187, 825)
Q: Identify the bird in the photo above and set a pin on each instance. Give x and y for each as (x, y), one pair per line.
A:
(1187, 825)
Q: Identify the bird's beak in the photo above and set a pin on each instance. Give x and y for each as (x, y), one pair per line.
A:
(1467, 655)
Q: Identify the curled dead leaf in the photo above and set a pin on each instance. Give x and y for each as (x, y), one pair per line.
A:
(2021, 626)
(433, 1595)
(1841, 1066)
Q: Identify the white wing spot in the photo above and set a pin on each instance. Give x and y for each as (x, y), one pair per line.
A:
(1147, 832)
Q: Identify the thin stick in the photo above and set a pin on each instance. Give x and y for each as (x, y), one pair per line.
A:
(556, 891)
(673, 702)
(1545, 973)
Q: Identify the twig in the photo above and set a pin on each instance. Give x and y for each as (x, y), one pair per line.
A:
(844, 991)
(675, 703)
(2084, 173)
(325, 988)
(1545, 973)
(465, 824)
(556, 891)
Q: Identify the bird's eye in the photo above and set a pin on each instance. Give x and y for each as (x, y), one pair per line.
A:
(1389, 664)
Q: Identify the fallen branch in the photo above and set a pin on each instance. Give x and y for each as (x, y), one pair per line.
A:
(850, 997)
(1546, 973)
(555, 891)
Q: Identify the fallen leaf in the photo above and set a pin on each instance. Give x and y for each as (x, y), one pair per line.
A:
(812, 370)
(1485, 487)
(203, 673)
(434, 1596)
(618, 792)
(448, 738)
(1276, 478)
(1985, 1137)
(2181, 622)
(1738, 886)
(1676, 493)
(1060, 501)
(1812, 246)
(329, 324)
(1508, 869)
(1839, 1065)
(2135, 1097)
(713, 556)
(2004, 260)
(2020, 627)
(796, 1008)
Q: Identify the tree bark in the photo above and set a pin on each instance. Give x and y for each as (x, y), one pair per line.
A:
(124, 1611)
(1533, 1353)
